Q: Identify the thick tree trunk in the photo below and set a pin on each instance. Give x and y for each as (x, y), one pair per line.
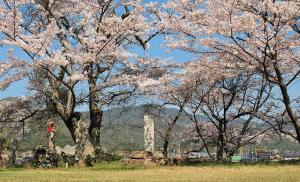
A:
(94, 129)
(167, 139)
(83, 138)
(95, 112)
(79, 132)
(220, 151)
(165, 148)
(220, 143)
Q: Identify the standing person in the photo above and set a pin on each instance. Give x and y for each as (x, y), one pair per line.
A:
(51, 135)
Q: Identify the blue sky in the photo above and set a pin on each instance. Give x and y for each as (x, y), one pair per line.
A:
(19, 88)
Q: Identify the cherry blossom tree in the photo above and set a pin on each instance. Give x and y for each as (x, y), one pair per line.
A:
(229, 99)
(15, 113)
(258, 36)
(175, 97)
(16, 110)
(224, 106)
(230, 106)
(78, 52)
(165, 85)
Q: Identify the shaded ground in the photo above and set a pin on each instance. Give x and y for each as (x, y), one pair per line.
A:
(117, 172)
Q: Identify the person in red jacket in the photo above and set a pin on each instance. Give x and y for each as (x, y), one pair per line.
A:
(51, 133)
(51, 126)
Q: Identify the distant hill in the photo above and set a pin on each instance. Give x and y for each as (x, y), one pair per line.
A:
(123, 128)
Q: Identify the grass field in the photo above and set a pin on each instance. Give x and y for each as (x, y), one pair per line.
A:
(117, 172)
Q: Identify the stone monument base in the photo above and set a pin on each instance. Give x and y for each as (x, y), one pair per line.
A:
(145, 158)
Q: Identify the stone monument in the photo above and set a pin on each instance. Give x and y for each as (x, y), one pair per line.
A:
(149, 133)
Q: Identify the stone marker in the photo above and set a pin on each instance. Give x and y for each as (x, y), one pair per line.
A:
(149, 133)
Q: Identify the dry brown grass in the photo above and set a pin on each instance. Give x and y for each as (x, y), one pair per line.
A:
(255, 173)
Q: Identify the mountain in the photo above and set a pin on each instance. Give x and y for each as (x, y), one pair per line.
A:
(121, 128)
(124, 127)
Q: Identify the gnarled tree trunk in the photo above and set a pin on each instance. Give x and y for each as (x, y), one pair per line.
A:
(94, 129)
(95, 112)
(79, 132)
(220, 142)
(73, 120)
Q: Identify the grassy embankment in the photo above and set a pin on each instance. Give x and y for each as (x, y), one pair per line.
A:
(115, 171)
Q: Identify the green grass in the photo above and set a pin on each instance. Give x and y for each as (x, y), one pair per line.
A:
(115, 171)
(116, 166)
